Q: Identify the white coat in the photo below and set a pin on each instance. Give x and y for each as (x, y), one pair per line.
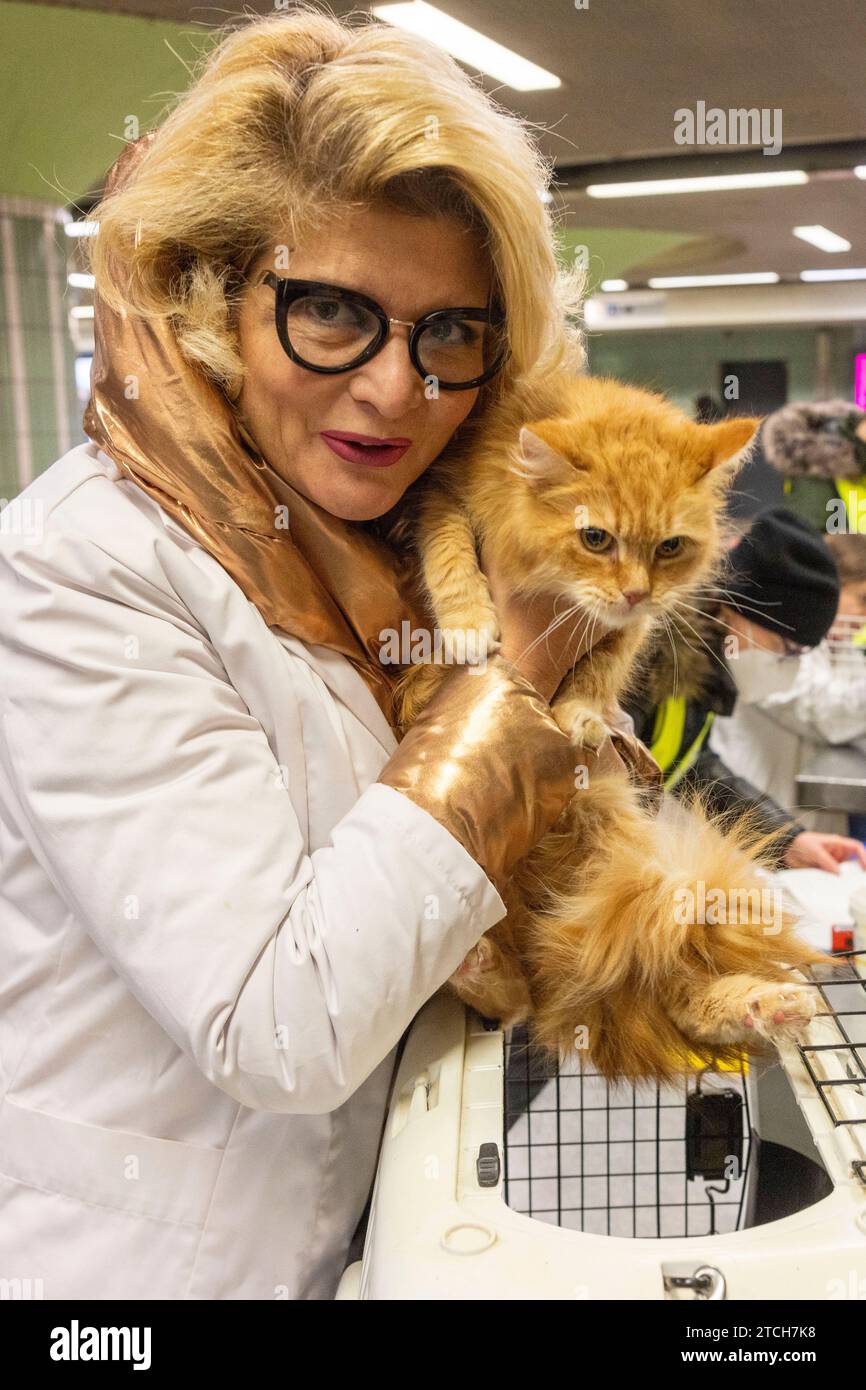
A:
(769, 739)
(215, 925)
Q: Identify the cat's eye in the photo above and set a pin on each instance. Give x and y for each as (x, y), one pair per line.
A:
(595, 539)
(672, 546)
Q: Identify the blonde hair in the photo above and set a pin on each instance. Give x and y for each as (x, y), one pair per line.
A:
(298, 116)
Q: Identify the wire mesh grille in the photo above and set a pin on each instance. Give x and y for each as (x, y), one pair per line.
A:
(611, 1160)
(843, 996)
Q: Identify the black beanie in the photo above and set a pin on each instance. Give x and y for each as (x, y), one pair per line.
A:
(782, 576)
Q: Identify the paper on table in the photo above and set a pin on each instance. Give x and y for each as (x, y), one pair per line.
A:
(821, 898)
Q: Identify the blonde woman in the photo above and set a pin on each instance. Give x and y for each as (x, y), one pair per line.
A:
(225, 887)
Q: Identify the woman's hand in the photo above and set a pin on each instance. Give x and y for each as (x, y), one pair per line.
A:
(524, 620)
(811, 849)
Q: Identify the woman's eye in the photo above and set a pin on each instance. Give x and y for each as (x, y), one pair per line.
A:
(595, 539)
(672, 546)
(452, 333)
(329, 311)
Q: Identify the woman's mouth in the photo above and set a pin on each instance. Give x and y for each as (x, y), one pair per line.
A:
(358, 448)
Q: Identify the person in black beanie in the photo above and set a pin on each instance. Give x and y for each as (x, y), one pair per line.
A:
(776, 597)
(781, 573)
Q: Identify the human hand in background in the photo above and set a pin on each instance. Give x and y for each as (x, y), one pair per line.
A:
(812, 850)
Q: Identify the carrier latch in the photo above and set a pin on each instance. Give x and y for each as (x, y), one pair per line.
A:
(705, 1282)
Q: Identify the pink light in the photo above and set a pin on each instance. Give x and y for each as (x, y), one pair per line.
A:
(860, 380)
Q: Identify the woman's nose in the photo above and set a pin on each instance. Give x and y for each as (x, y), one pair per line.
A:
(389, 381)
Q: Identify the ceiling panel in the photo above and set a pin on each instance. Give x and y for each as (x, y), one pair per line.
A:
(72, 73)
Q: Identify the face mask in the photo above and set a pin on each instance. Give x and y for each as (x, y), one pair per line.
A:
(758, 674)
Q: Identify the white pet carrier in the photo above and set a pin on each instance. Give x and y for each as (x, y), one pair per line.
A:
(502, 1179)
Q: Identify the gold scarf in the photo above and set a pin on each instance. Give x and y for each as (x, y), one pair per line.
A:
(323, 580)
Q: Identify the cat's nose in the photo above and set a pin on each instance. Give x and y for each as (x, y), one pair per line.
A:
(633, 596)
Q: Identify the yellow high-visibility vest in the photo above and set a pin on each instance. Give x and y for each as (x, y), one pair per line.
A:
(852, 494)
(667, 739)
(854, 497)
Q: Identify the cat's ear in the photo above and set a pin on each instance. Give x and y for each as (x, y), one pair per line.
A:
(536, 460)
(726, 446)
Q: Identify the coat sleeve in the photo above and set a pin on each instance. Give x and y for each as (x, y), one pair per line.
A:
(827, 701)
(153, 801)
(728, 794)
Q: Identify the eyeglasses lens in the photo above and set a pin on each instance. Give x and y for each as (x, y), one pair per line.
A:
(334, 332)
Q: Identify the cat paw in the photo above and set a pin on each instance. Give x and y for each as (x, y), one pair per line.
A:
(780, 1011)
(586, 730)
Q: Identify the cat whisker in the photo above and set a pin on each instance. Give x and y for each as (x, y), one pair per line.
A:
(727, 594)
(592, 616)
(596, 619)
(551, 627)
(582, 612)
(702, 641)
(704, 614)
(672, 627)
(669, 634)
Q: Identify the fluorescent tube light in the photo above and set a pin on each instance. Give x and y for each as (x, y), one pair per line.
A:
(823, 238)
(715, 183)
(859, 274)
(690, 282)
(468, 45)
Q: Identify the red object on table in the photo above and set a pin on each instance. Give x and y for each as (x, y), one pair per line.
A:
(843, 939)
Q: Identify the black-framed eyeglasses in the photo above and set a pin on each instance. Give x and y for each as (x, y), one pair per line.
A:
(329, 329)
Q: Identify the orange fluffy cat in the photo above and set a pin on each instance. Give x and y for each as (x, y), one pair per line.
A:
(612, 498)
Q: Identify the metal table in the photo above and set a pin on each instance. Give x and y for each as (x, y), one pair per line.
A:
(835, 780)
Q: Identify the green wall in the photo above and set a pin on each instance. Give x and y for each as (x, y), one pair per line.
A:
(684, 363)
(71, 79)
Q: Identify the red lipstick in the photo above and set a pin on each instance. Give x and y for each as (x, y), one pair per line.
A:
(363, 448)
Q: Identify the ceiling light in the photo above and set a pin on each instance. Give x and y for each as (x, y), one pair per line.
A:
(715, 183)
(470, 46)
(611, 286)
(823, 238)
(833, 274)
(689, 282)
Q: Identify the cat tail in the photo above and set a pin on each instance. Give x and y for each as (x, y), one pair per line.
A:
(660, 906)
